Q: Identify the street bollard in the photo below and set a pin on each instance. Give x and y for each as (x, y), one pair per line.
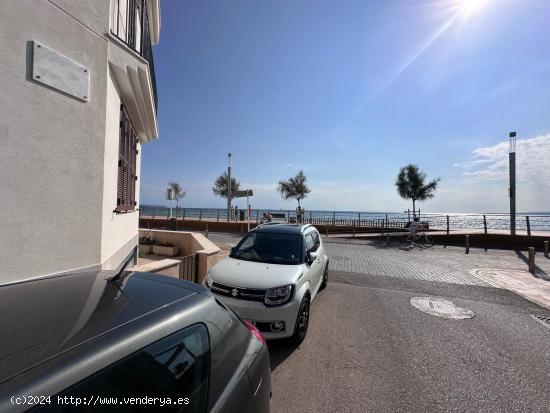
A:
(388, 240)
(546, 249)
(532, 260)
(206, 231)
(353, 231)
(467, 241)
(326, 231)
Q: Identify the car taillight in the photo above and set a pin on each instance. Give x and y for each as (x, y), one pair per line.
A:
(255, 332)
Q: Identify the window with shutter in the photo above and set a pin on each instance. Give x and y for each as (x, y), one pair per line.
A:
(126, 190)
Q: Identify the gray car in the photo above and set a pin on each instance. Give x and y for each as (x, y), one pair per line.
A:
(137, 341)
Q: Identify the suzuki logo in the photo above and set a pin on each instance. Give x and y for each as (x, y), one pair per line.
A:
(234, 292)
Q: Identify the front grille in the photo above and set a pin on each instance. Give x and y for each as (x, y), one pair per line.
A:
(250, 294)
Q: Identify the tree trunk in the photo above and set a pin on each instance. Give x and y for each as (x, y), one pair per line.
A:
(414, 209)
(298, 201)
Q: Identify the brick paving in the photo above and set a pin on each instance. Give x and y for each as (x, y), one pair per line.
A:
(437, 263)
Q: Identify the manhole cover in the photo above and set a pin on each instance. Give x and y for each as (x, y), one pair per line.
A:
(440, 307)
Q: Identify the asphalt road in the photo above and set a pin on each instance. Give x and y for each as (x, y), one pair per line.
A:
(369, 350)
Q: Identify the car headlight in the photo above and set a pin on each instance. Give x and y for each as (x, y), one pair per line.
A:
(207, 281)
(279, 295)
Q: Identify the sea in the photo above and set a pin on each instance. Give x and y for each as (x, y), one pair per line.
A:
(537, 221)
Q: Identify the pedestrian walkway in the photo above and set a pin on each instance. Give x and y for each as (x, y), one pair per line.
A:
(438, 263)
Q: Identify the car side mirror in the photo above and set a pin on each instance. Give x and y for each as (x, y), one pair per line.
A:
(312, 256)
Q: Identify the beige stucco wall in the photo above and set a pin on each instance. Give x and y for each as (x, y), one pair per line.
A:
(188, 243)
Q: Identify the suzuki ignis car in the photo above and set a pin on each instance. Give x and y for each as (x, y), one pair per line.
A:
(271, 277)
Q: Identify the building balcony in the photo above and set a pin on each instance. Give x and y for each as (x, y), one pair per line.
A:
(137, 24)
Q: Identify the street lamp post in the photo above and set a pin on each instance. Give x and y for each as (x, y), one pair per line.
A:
(512, 189)
(229, 187)
(171, 195)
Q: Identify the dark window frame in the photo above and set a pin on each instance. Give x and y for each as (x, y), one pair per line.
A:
(127, 164)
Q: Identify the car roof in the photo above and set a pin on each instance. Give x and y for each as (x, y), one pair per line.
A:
(275, 228)
(45, 318)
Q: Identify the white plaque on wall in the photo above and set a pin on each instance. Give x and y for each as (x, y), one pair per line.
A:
(59, 72)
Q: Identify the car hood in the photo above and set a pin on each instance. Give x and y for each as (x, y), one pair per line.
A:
(249, 274)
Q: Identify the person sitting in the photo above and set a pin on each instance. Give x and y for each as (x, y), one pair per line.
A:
(415, 227)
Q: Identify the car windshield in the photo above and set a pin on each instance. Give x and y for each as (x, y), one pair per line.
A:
(270, 248)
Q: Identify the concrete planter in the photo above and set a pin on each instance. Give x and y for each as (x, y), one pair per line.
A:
(165, 251)
(145, 249)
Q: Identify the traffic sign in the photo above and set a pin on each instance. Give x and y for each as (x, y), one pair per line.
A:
(242, 194)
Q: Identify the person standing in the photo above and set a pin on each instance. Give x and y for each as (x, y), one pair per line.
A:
(298, 215)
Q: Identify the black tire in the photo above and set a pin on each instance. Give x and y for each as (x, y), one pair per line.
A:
(325, 277)
(302, 322)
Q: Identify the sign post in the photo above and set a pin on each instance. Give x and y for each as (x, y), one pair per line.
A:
(171, 196)
(229, 187)
(246, 193)
(512, 188)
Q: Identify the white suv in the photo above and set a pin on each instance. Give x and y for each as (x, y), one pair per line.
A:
(271, 277)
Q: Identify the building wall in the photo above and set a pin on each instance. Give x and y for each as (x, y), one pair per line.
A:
(59, 157)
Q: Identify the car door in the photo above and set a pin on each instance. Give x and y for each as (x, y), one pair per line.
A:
(175, 368)
(321, 250)
(315, 271)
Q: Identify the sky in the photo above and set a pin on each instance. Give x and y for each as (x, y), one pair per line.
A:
(349, 92)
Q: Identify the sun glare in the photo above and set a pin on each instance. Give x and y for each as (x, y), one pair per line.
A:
(469, 8)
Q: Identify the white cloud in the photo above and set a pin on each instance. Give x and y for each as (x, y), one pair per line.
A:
(483, 184)
(532, 162)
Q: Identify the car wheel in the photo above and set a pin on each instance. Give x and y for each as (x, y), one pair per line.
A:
(325, 277)
(302, 321)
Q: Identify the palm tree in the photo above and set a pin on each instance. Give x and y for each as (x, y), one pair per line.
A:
(294, 188)
(411, 184)
(221, 186)
(175, 192)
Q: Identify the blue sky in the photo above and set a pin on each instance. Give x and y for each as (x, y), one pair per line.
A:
(349, 92)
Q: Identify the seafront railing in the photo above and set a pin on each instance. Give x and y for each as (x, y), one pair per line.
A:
(485, 223)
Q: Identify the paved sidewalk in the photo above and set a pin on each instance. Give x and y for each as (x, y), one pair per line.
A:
(442, 264)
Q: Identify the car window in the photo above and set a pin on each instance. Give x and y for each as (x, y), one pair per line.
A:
(248, 242)
(270, 248)
(174, 368)
(317, 239)
(310, 242)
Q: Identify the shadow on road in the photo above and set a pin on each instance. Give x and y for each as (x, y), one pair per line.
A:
(279, 350)
(539, 272)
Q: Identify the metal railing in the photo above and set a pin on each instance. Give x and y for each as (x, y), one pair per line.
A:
(527, 223)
